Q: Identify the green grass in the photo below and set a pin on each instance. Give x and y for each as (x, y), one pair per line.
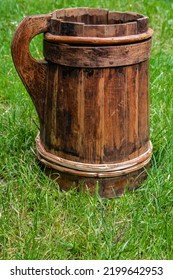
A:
(37, 221)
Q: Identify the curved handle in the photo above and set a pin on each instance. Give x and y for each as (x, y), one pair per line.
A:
(32, 72)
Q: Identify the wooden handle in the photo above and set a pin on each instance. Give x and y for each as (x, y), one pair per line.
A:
(32, 72)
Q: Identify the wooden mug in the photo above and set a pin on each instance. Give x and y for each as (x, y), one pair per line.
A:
(91, 95)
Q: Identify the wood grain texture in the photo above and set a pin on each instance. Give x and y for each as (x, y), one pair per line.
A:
(91, 93)
(97, 57)
(98, 22)
(32, 72)
(102, 41)
(97, 115)
(108, 187)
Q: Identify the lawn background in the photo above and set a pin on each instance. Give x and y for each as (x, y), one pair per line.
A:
(37, 221)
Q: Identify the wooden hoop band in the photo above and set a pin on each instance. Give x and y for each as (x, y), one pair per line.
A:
(97, 56)
(92, 170)
(98, 40)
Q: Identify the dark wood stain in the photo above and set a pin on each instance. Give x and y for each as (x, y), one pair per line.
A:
(92, 101)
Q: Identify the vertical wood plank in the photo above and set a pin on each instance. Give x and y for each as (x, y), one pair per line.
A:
(132, 110)
(94, 30)
(143, 106)
(48, 135)
(111, 124)
(131, 28)
(81, 110)
(85, 15)
(115, 115)
(94, 16)
(122, 17)
(55, 26)
(101, 132)
(71, 29)
(91, 114)
(142, 25)
(122, 116)
(67, 128)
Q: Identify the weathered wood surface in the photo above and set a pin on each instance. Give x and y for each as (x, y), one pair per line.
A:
(97, 22)
(97, 57)
(94, 170)
(108, 187)
(91, 94)
(32, 72)
(98, 40)
(97, 115)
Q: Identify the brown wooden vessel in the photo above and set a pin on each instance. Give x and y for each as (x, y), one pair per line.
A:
(91, 95)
